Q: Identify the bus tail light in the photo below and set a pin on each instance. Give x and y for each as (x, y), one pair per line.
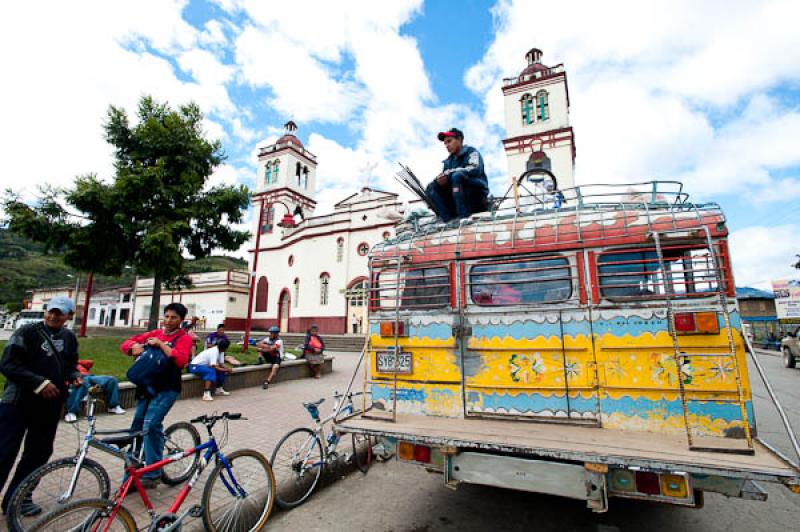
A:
(674, 486)
(388, 328)
(410, 452)
(684, 322)
(647, 483)
(696, 323)
(623, 480)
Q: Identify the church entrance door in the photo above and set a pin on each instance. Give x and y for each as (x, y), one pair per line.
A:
(283, 311)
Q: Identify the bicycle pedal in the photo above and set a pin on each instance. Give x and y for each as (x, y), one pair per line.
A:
(196, 511)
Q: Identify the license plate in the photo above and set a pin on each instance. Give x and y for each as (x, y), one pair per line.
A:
(386, 361)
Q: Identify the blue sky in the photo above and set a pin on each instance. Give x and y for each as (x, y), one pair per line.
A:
(708, 94)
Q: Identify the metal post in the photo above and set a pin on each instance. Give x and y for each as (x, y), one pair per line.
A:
(248, 322)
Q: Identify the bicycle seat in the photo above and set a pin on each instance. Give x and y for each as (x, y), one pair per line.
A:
(122, 439)
(314, 403)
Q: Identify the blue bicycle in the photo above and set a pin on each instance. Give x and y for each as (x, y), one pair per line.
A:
(238, 494)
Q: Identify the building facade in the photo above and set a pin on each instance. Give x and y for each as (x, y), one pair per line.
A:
(757, 310)
(212, 298)
(111, 308)
(537, 120)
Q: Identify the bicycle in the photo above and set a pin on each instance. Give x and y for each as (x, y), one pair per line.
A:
(302, 454)
(61, 481)
(229, 502)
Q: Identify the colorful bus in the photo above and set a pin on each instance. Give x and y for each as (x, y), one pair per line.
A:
(585, 344)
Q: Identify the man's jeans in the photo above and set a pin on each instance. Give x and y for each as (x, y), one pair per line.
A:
(208, 374)
(459, 198)
(110, 388)
(150, 414)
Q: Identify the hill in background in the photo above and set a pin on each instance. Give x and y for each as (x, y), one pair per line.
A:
(25, 265)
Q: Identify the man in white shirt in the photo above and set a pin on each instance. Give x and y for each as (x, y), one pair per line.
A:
(270, 351)
(209, 365)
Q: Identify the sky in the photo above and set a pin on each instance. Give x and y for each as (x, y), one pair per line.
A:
(707, 93)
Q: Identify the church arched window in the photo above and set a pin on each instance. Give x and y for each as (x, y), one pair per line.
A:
(261, 295)
(305, 177)
(324, 286)
(275, 168)
(296, 287)
(268, 173)
(542, 105)
(527, 109)
(339, 249)
(269, 220)
(298, 173)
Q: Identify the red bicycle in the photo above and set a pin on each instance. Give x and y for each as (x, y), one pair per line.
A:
(230, 502)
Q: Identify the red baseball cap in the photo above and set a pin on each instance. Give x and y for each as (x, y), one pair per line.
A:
(452, 132)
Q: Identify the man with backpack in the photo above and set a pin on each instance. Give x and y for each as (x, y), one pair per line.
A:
(38, 361)
(159, 380)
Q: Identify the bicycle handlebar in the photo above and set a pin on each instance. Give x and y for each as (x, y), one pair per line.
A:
(214, 418)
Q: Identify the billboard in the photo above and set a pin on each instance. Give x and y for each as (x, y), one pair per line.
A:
(787, 298)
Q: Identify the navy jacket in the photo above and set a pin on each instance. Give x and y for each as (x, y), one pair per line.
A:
(469, 162)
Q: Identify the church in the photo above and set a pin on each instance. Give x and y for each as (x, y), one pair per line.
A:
(309, 268)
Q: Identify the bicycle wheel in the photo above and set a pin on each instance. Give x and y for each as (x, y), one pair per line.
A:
(177, 438)
(240, 499)
(88, 514)
(297, 462)
(48, 484)
(362, 451)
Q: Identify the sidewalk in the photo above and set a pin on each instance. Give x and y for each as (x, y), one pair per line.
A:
(270, 415)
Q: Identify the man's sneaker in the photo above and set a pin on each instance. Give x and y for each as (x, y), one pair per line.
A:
(223, 391)
(207, 396)
(117, 410)
(70, 417)
(265, 385)
(29, 509)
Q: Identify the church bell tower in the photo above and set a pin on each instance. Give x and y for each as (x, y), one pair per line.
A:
(537, 121)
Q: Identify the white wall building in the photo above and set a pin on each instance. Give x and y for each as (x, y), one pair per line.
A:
(314, 270)
(111, 308)
(213, 297)
(537, 119)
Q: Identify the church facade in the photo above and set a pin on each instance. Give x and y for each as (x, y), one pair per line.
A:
(308, 268)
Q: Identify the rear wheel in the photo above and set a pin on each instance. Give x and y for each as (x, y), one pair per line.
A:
(177, 438)
(789, 360)
(88, 514)
(239, 499)
(47, 486)
(297, 462)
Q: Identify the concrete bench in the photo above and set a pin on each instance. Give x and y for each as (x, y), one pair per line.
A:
(242, 377)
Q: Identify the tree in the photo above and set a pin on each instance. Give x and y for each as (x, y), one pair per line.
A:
(157, 208)
(797, 264)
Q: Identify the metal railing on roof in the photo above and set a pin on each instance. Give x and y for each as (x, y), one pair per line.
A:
(579, 214)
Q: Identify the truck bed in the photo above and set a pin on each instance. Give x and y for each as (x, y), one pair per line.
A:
(582, 443)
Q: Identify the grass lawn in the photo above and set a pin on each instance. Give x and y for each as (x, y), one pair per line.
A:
(109, 360)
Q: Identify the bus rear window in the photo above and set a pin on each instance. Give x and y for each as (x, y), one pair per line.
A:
(521, 282)
(637, 274)
(418, 288)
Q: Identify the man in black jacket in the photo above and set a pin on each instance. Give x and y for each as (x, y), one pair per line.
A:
(38, 362)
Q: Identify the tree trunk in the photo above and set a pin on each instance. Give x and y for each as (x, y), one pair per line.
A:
(155, 304)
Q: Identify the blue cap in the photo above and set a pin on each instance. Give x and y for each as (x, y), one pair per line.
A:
(62, 303)
(274, 329)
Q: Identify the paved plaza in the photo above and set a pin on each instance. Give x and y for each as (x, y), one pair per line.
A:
(270, 415)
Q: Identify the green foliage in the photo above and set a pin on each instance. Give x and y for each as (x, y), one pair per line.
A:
(156, 209)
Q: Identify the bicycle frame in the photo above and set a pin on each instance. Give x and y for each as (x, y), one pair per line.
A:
(319, 430)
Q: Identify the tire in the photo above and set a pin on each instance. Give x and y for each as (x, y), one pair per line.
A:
(180, 437)
(789, 361)
(297, 462)
(223, 511)
(88, 514)
(48, 482)
(362, 451)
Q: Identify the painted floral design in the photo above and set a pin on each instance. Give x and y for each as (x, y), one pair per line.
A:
(572, 368)
(721, 369)
(527, 368)
(619, 367)
(664, 369)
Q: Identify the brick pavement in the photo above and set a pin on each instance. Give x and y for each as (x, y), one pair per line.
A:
(271, 414)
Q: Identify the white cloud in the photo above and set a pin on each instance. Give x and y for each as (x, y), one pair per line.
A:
(761, 254)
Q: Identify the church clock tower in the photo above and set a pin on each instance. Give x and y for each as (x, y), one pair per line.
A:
(537, 120)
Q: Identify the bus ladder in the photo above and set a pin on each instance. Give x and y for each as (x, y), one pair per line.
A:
(678, 355)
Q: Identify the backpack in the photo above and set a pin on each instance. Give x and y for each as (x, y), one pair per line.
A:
(148, 366)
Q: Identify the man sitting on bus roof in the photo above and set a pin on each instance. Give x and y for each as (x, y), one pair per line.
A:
(462, 188)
